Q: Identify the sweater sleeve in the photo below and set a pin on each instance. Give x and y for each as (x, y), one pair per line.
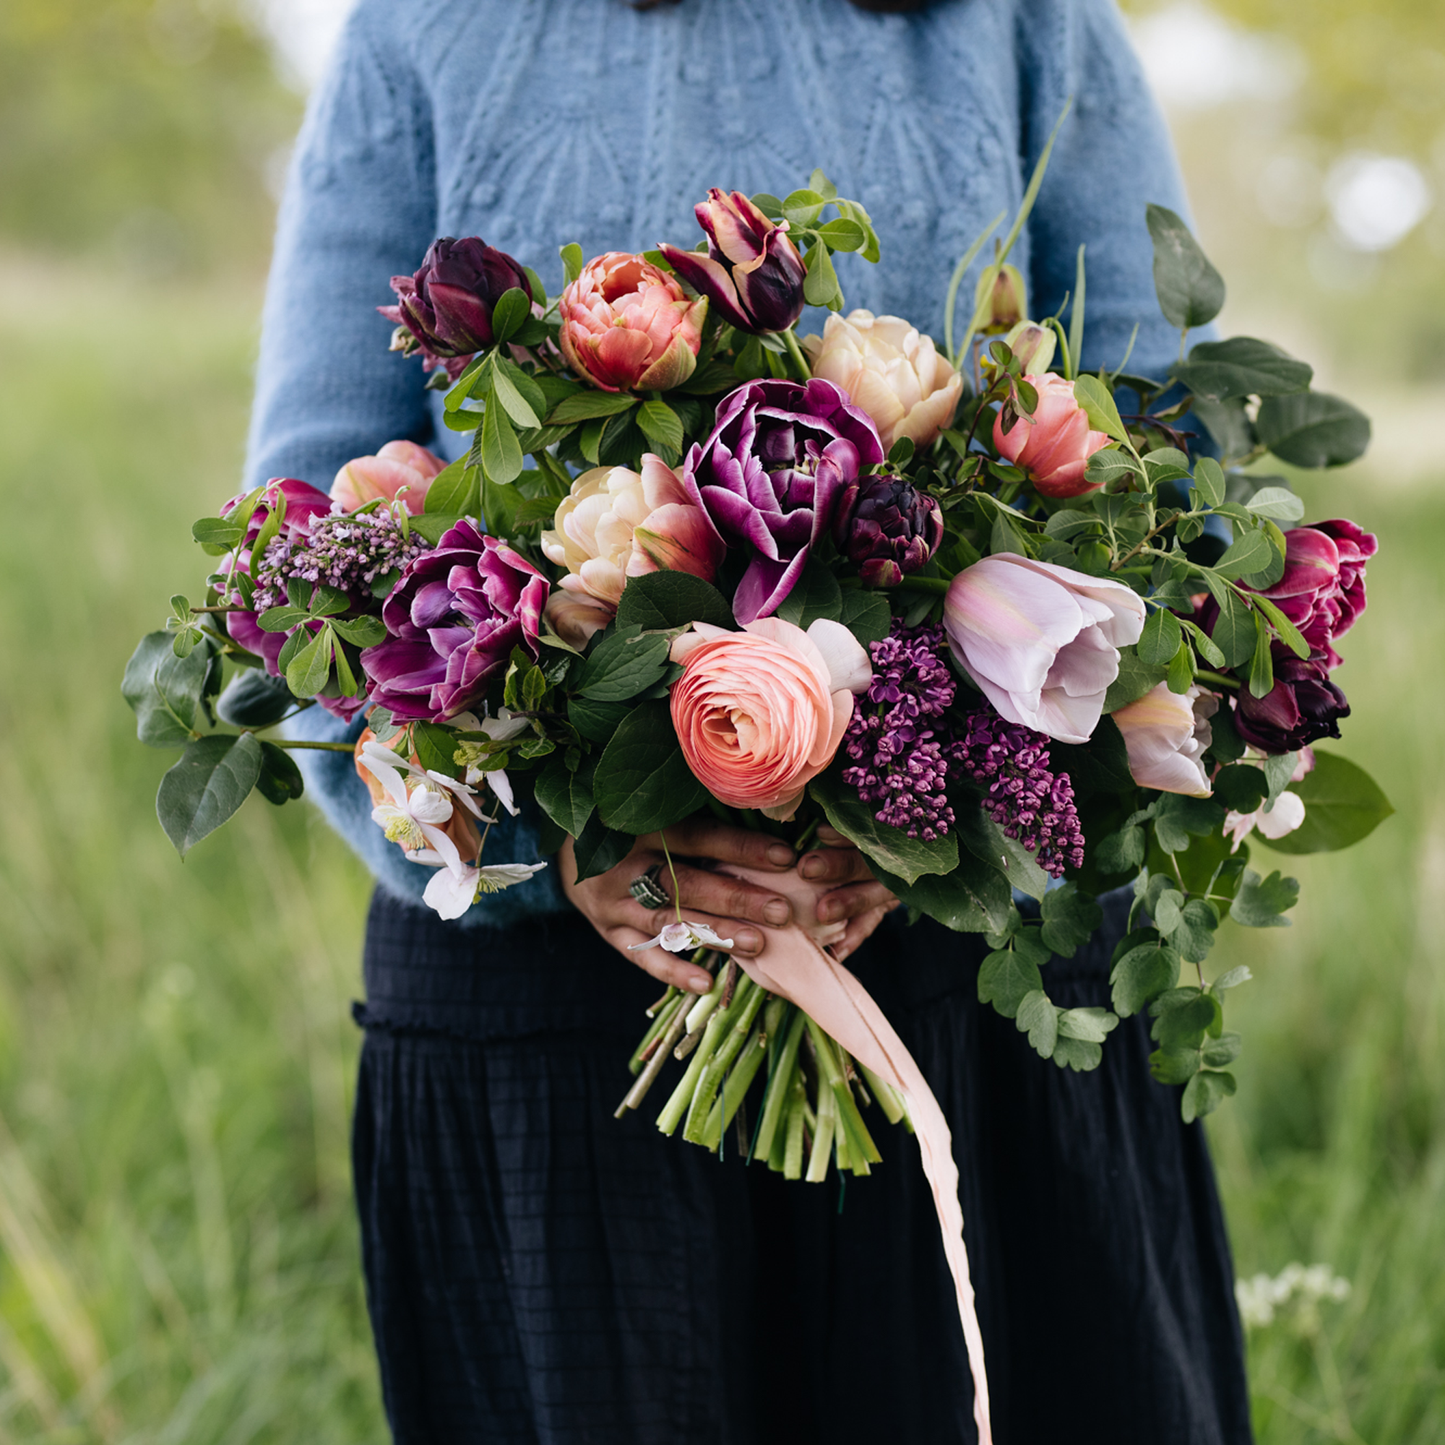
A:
(1112, 158)
(360, 207)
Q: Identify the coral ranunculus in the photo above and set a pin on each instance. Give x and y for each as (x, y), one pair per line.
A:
(616, 523)
(760, 713)
(627, 325)
(890, 370)
(1054, 445)
(398, 469)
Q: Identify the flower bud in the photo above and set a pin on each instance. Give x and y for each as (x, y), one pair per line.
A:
(447, 305)
(752, 272)
(888, 527)
(1001, 298)
(1032, 346)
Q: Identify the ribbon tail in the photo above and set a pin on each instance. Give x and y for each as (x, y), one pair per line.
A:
(797, 969)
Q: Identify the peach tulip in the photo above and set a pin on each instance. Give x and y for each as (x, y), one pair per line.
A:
(761, 712)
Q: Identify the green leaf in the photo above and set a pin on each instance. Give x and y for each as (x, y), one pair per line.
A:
(815, 594)
(512, 309)
(1177, 817)
(1261, 666)
(1174, 1065)
(164, 690)
(1160, 639)
(360, 631)
(1100, 765)
(662, 427)
(1077, 1054)
(1240, 788)
(1261, 903)
(433, 525)
(844, 234)
(974, 898)
(1039, 1019)
(1220, 1052)
(586, 405)
(1090, 1025)
(501, 454)
(1193, 930)
(1136, 677)
(435, 748)
(517, 406)
(1098, 404)
(1233, 632)
(1251, 553)
(596, 721)
(279, 780)
(1069, 919)
(282, 619)
(600, 848)
(216, 532)
(1278, 503)
(820, 281)
(643, 782)
(269, 529)
(1181, 1017)
(891, 848)
(1142, 974)
(802, 207)
(572, 260)
(1109, 464)
(865, 614)
(1314, 429)
(454, 491)
(1209, 481)
(624, 665)
(1006, 979)
(1204, 1093)
(671, 599)
(1190, 290)
(1343, 804)
(566, 796)
(211, 780)
(308, 669)
(254, 699)
(1241, 366)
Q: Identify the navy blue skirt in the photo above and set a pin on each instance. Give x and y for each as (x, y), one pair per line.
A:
(540, 1273)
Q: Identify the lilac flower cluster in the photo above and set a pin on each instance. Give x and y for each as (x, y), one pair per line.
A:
(902, 749)
(900, 758)
(344, 550)
(1026, 798)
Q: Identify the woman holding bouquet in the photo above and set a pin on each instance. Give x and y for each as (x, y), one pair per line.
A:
(536, 1271)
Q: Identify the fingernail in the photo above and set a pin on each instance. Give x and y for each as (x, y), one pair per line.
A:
(746, 940)
(781, 857)
(812, 867)
(777, 912)
(830, 910)
(700, 982)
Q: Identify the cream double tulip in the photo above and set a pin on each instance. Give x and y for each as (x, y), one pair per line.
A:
(616, 523)
(889, 370)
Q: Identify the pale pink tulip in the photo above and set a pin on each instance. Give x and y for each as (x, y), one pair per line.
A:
(1054, 445)
(616, 523)
(890, 371)
(1167, 734)
(627, 325)
(1042, 642)
(399, 468)
(761, 712)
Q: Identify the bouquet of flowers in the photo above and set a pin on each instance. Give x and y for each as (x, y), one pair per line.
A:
(1021, 634)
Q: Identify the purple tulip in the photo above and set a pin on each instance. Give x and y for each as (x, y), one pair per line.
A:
(454, 618)
(752, 272)
(1302, 706)
(1322, 590)
(888, 527)
(772, 474)
(447, 305)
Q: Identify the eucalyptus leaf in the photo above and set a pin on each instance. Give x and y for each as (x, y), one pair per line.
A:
(209, 783)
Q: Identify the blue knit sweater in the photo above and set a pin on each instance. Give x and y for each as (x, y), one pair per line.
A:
(538, 122)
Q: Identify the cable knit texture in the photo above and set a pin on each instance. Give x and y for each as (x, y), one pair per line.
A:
(536, 122)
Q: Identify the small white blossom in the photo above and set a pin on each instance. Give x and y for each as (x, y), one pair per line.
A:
(450, 893)
(1297, 1289)
(682, 937)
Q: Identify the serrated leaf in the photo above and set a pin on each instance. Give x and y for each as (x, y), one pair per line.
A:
(1181, 1017)
(622, 666)
(1262, 902)
(1176, 818)
(1136, 677)
(1069, 919)
(1006, 979)
(1142, 974)
(1174, 1065)
(1091, 1025)
(1204, 1093)
(865, 614)
(1080, 1055)
(662, 427)
(1039, 1019)
(671, 599)
(1221, 1052)
(815, 595)
(212, 779)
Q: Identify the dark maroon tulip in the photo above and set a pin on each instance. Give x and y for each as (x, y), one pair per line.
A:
(772, 474)
(447, 305)
(1302, 706)
(752, 272)
(454, 618)
(888, 527)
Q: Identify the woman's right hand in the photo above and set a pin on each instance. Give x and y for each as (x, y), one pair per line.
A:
(732, 907)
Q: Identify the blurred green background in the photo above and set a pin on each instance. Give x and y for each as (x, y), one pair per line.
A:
(178, 1258)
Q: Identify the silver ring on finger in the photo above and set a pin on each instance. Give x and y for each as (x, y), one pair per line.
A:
(647, 890)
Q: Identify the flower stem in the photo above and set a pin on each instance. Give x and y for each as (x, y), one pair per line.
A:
(672, 1111)
(320, 747)
(638, 1092)
(738, 1082)
(923, 584)
(780, 1081)
(800, 362)
(1217, 678)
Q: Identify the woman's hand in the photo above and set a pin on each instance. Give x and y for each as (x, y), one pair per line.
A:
(733, 908)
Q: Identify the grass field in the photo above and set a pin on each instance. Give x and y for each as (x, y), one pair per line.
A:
(178, 1260)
